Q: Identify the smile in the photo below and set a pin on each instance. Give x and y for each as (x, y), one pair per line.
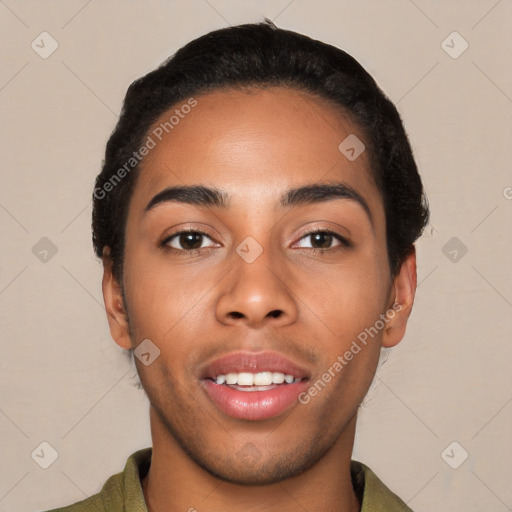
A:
(252, 381)
(254, 386)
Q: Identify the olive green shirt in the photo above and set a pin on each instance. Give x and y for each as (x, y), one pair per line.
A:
(123, 492)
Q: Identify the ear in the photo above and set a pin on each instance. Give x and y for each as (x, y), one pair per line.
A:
(403, 291)
(114, 304)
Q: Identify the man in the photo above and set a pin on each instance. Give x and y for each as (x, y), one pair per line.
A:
(255, 215)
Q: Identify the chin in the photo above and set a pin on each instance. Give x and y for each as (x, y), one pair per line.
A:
(250, 466)
(258, 474)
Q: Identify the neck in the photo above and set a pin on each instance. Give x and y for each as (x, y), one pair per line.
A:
(175, 482)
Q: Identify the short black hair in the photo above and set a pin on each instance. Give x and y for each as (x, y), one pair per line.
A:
(262, 55)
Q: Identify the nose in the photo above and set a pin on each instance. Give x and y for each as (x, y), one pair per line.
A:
(257, 294)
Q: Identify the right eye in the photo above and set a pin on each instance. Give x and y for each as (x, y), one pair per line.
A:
(186, 241)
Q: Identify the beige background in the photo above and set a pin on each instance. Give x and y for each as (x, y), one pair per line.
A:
(63, 380)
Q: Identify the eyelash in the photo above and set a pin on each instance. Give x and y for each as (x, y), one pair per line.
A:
(344, 243)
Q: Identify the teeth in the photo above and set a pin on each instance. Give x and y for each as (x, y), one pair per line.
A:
(245, 379)
(277, 378)
(263, 379)
(255, 379)
(231, 378)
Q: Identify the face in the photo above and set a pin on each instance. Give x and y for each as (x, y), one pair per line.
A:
(257, 286)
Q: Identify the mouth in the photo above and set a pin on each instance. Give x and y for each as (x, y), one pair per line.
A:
(254, 386)
(247, 381)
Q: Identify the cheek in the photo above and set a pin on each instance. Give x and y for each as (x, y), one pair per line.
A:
(349, 306)
(163, 299)
(347, 300)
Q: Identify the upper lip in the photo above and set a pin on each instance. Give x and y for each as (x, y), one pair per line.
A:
(253, 362)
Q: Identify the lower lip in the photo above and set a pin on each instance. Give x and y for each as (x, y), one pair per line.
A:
(254, 405)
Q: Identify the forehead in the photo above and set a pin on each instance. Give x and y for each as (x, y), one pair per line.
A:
(254, 144)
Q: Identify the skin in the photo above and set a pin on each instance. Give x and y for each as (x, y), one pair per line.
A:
(255, 145)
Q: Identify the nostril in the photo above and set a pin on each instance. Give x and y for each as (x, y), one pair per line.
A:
(275, 313)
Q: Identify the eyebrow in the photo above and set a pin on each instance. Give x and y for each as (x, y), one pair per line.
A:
(208, 197)
(321, 192)
(197, 195)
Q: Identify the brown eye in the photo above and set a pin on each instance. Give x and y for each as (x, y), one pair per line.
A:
(190, 240)
(187, 240)
(321, 240)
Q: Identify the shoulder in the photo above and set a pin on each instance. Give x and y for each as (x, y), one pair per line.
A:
(374, 494)
(110, 498)
(122, 492)
(91, 504)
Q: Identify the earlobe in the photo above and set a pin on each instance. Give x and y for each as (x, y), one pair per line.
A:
(114, 304)
(404, 287)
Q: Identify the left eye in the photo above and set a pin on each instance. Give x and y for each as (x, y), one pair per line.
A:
(195, 240)
(187, 240)
(322, 240)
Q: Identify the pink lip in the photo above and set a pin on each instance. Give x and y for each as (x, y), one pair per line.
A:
(253, 405)
(253, 362)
